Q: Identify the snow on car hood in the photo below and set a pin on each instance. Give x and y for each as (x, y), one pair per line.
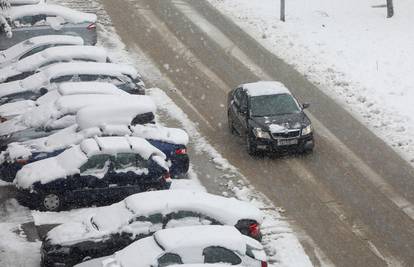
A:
(44, 171)
(9, 110)
(70, 15)
(283, 122)
(71, 233)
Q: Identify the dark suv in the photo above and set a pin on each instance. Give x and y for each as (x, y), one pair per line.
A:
(270, 118)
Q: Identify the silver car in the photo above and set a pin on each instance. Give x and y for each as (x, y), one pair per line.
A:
(29, 65)
(33, 20)
(34, 45)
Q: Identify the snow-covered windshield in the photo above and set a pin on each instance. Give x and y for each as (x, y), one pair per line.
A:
(273, 105)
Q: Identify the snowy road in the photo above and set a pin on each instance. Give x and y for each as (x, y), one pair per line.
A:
(352, 197)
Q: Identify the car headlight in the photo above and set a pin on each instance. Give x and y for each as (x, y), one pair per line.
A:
(307, 130)
(259, 133)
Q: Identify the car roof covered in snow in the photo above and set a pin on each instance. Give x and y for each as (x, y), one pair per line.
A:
(25, 2)
(265, 88)
(69, 161)
(19, 49)
(91, 68)
(119, 112)
(80, 88)
(227, 211)
(119, 144)
(52, 55)
(70, 15)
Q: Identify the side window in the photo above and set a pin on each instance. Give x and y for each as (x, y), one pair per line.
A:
(50, 63)
(169, 259)
(125, 160)
(95, 162)
(153, 218)
(34, 51)
(237, 97)
(62, 79)
(243, 100)
(220, 254)
(87, 77)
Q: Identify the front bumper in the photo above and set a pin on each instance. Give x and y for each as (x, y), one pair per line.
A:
(304, 143)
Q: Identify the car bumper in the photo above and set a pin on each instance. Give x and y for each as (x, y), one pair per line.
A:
(304, 143)
(179, 165)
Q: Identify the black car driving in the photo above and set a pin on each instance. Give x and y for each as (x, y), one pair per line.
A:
(270, 118)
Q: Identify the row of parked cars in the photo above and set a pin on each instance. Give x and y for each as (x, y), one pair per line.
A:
(77, 129)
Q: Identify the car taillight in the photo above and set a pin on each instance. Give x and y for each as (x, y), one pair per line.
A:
(254, 230)
(167, 176)
(264, 263)
(21, 161)
(91, 26)
(181, 151)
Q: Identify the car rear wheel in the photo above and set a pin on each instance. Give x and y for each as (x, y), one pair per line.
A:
(51, 202)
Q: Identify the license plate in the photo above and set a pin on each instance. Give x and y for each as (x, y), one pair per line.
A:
(288, 142)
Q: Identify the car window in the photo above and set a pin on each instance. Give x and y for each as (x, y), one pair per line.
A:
(243, 100)
(34, 51)
(219, 254)
(125, 160)
(153, 218)
(169, 259)
(273, 105)
(65, 78)
(237, 97)
(88, 77)
(50, 63)
(95, 162)
(30, 21)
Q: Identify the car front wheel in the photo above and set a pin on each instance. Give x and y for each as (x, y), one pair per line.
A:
(51, 202)
(251, 145)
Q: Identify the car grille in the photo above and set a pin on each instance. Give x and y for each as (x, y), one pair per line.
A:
(290, 134)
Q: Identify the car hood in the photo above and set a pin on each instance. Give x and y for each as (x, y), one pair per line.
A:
(73, 232)
(282, 122)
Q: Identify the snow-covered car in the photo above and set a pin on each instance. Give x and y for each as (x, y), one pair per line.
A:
(45, 119)
(10, 110)
(29, 65)
(34, 45)
(269, 118)
(187, 245)
(139, 216)
(101, 169)
(33, 20)
(123, 76)
(122, 120)
(25, 2)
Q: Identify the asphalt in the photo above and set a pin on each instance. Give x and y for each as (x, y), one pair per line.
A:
(352, 197)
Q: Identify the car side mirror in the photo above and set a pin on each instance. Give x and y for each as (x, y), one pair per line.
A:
(305, 105)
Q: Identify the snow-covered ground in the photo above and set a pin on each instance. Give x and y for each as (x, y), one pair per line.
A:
(280, 240)
(350, 50)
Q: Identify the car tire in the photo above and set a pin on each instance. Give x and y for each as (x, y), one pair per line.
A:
(230, 124)
(251, 145)
(51, 202)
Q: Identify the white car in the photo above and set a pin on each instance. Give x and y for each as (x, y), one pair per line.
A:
(27, 66)
(36, 44)
(10, 110)
(45, 119)
(124, 76)
(41, 19)
(187, 245)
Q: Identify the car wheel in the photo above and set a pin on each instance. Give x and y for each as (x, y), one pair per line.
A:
(230, 124)
(51, 202)
(251, 145)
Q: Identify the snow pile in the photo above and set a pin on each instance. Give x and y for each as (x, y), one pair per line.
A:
(350, 50)
(78, 88)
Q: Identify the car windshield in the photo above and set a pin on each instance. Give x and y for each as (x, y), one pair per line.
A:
(273, 105)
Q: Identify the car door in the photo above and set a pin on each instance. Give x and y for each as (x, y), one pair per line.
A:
(242, 113)
(30, 26)
(126, 169)
(94, 173)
